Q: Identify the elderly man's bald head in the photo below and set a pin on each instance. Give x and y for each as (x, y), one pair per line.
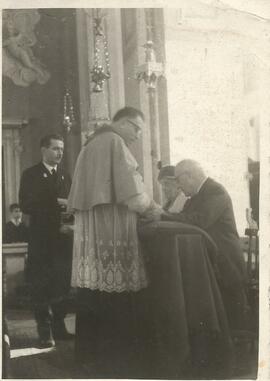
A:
(189, 175)
(189, 165)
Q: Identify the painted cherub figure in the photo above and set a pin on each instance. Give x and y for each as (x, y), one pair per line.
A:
(20, 63)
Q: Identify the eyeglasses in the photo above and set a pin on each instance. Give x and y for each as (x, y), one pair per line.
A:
(137, 127)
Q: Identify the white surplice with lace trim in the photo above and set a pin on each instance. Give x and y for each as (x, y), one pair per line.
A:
(107, 193)
(106, 252)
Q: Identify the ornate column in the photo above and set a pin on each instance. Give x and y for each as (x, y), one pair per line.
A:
(127, 37)
(71, 119)
(11, 155)
(134, 36)
(149, 72)
(97, 107)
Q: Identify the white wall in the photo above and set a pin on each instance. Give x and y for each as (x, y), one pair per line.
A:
(208, 118)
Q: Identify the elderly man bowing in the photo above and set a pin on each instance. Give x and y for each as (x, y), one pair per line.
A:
(108, 271)
(210, 207)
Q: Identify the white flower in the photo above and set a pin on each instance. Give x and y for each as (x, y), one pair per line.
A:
(45, 175)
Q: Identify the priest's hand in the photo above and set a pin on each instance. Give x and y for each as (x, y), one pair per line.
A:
(153, 213)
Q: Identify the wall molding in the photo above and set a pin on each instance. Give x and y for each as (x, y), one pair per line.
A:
(14, 123)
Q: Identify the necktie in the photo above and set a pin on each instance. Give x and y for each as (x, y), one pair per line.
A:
(53, 172)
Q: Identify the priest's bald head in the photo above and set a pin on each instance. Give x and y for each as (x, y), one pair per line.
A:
(128, 123)
(190, 176)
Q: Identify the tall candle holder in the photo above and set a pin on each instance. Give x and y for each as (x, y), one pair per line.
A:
(101, 71)
(149, 72)
(68, 115)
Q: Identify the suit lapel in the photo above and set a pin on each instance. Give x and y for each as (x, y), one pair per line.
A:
(60, 180)
(44, 171)
(205, 186)
(54, 187)
(48, 180)
(187, 203)
(192, 200)
(46, 177)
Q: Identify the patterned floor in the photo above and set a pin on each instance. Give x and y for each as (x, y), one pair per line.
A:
(28, 362)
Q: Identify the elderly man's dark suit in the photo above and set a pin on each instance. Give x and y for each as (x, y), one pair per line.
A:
(211, 209)
(49, 258)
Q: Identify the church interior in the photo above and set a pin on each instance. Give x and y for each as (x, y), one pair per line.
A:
(200, 75)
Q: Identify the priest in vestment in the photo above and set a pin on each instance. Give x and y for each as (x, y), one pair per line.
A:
(108, 270)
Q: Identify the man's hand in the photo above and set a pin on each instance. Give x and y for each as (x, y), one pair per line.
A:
(153, 214)
(66, 229)
(62, 201)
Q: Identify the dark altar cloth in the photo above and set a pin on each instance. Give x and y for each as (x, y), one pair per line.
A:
(191, 330)
(114, 334)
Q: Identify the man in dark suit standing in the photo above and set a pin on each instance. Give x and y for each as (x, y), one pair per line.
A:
(210, 207)
(43, 192)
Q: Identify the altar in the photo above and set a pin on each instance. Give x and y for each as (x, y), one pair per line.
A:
(191, 328)
(14, 257)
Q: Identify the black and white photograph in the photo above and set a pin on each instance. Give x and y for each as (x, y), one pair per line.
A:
(135, 168)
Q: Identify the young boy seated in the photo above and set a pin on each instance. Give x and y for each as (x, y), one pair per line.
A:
(15, 229)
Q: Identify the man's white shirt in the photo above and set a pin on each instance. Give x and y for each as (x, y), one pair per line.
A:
(50, 167)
